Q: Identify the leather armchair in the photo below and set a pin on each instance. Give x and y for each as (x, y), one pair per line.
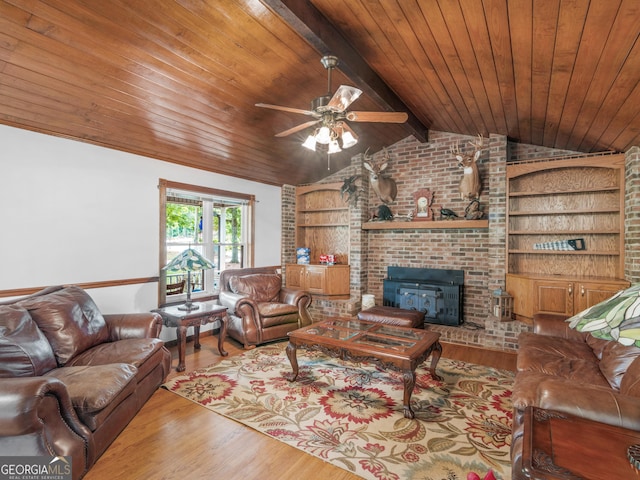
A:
(261, 309)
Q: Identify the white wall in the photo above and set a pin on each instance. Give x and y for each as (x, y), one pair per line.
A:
(72, 212)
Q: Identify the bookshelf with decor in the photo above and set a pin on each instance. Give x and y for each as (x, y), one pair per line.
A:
(322, 226)
(565, 234)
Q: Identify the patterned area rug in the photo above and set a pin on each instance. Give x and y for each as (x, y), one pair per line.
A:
(351, 414)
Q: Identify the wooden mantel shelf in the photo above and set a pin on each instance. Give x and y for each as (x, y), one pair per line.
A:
(429, 225)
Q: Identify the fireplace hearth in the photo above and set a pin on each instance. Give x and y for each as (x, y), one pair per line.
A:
(436, 292)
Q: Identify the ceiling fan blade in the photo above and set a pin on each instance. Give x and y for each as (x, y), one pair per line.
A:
(344, 96)
(286, 109)
(382, 117)
(297, 128)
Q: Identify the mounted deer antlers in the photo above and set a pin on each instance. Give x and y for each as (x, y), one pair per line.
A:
(384, 186)
(470, 185)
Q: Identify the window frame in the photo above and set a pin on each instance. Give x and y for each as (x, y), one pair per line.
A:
(248, 254)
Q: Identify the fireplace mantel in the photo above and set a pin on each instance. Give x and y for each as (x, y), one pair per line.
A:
(427, 225)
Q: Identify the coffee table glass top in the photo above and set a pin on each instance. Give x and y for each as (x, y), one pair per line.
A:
(350, 324)
(384, 342)
(365, 333)
(330, 332)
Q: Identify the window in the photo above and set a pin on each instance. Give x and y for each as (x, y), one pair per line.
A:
(217, 224)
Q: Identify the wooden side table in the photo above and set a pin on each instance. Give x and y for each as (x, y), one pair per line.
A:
(559, 446)
(208, 312)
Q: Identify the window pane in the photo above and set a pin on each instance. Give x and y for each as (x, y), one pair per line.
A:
(216, 227)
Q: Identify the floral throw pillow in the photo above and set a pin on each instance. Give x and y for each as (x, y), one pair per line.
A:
(617, 318)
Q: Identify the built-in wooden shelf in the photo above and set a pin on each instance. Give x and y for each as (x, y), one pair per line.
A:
(557, 200)
(427, 225)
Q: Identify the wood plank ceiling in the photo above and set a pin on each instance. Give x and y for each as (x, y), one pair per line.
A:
(178, 80)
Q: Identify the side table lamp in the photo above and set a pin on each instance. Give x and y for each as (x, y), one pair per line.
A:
(189, 261)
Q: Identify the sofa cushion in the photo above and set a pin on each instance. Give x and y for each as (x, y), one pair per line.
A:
(273, 314)
(615, 361)
(258, 286)
(630, 383)
(597, 345)
(271, 309)
(134, 351)
(559, 357)
(97, 389)
(69, 319)
(24, 350)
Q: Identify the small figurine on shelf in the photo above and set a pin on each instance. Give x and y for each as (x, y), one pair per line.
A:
(473, 212)
(381, 214)
(350, 189)
(447, 214)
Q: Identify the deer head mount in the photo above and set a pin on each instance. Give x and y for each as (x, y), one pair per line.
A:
(470, 184)
(384, 186)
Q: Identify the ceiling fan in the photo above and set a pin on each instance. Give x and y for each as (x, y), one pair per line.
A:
(330, 114)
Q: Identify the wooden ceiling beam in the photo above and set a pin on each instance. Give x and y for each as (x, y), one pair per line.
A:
(305, 19)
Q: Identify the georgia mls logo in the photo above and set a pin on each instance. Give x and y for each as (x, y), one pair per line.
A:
(62, 468)
(35, 468)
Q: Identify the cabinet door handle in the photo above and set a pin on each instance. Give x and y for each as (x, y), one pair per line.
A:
(582, 290)
(570, 288)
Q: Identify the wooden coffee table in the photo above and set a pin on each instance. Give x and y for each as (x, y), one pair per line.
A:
(355, 340)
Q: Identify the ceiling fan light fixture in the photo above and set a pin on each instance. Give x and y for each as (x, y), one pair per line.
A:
(330, 112)
(310, 142)
(334, 147)
(324, 135)
(349, 138)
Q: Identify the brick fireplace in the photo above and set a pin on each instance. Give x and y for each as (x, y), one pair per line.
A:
(436, 292)
(480, 252)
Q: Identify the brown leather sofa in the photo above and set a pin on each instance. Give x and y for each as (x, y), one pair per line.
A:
(71, 378)
(561, 369)
(260, 308)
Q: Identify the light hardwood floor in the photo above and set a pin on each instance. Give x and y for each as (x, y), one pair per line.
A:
(173, 438)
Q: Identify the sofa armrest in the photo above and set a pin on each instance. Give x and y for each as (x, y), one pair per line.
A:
(242, 306)
(294, 297)
(230, 300)
(133, 325)
(34, 410)
(598, 404)
(299, 298)
(555, 326)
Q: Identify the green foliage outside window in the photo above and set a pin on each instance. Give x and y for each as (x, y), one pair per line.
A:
(182, 220)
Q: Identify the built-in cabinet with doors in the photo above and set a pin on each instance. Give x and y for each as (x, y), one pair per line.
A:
(319, 279)
(322, 226)
(565, 234)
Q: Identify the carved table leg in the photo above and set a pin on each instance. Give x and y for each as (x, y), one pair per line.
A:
(293, 359)
(196, 337)
(181, 333)
(435, 357)
(222, 335)
(409, 377)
